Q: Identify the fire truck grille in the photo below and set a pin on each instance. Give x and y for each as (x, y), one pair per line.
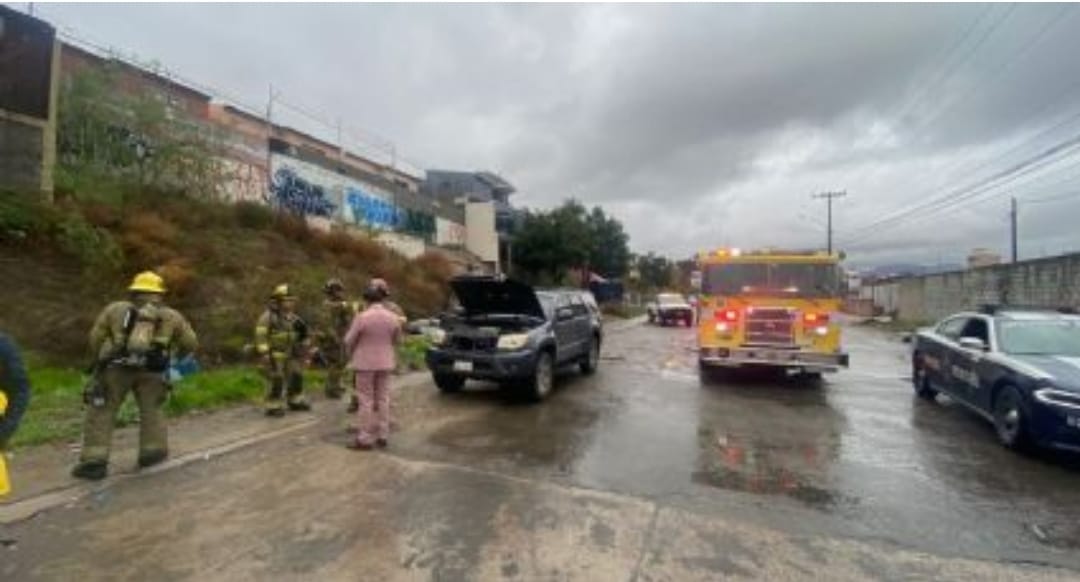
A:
(774, 327)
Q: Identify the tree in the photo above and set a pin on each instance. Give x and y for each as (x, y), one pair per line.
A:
(609, 252)
(551, 244)
(131, 138)
(656, 272)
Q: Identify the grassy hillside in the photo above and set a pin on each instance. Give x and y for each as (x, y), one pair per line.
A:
(61, 263)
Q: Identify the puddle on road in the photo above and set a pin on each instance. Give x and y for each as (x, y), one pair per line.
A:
(769, 468)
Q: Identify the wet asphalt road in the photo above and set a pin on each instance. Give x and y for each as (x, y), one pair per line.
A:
(642, 471)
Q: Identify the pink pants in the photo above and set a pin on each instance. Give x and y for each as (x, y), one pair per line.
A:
(373, 393)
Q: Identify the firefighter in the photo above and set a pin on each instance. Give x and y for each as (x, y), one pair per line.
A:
(381, 286)
(14, 397)
(133, 342)
(281, 341)
(338, 315)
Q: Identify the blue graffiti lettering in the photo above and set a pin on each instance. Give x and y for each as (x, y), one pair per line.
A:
(297, 195)
(371, 210)
(375, 212)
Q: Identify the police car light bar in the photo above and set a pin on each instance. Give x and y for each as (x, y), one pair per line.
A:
(995, 308)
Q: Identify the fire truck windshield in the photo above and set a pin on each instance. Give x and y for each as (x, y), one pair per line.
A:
(786, 279)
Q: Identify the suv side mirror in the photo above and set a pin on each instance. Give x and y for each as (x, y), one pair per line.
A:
(973, 343)
(564, 313)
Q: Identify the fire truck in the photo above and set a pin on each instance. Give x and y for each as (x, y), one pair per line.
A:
(770, 308)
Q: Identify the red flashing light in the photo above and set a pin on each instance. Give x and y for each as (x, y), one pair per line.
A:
(816, 318)
(731, 315)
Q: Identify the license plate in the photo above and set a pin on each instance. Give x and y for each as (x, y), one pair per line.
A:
(461, 366)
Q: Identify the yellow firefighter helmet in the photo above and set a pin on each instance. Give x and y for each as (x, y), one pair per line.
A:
(147, 282)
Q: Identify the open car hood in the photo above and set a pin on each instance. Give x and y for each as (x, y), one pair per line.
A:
(490, 295)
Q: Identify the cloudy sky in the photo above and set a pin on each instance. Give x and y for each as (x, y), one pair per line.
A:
(696, 125)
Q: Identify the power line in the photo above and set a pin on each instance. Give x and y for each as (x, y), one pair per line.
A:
(80, 38)
(994, 161)
(917, 96)
(1032, 41)
(945, 68)
(958, 196)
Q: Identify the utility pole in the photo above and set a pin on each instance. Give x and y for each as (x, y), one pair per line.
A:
(1012, 224)
(269, 136)
(829, 197)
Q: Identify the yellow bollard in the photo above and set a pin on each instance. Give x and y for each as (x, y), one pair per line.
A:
(5, 484)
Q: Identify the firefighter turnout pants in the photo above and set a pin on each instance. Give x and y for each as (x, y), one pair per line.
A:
(285, 381)
(150, 391)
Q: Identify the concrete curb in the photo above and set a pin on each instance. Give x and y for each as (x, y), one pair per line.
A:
(27, 508)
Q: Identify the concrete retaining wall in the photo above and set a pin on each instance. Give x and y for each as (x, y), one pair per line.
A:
(1048, 282)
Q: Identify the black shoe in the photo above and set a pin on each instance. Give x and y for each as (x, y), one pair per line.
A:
(358, 446)
(381, 443)
(299, 406)
(275, 412)
(354, 405)
(151, 458)
(91, 470)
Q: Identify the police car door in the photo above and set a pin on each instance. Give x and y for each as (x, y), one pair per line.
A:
(965, 361)
(936, 353)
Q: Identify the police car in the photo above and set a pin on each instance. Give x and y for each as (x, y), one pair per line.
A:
(1017, 367)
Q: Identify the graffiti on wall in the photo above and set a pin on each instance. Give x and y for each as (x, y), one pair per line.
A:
(449, 233)
(292, 192)
(370, 210)
(417, 223)
(374, 211)
(242, 181)
(319, 193)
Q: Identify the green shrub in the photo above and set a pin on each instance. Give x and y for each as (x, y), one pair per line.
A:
(93, 246)
(21, 215)
(411, 353)
(253, 216)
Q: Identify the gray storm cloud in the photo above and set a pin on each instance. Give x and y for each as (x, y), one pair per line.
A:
(696, 125)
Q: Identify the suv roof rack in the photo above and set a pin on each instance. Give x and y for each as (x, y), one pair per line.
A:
(995, 308)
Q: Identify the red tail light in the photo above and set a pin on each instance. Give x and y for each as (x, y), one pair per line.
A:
(731, 315)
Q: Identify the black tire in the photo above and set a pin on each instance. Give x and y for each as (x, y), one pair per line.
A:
(448, 383)
(539, 386)
(921, 380)
(1011, 419)
(592, 358)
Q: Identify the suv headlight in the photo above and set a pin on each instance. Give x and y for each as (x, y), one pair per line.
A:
(437, 336)
(513, 341)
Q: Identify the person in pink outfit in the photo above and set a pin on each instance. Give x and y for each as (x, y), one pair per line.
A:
(371, 343)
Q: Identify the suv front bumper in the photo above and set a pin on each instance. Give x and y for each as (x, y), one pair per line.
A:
(774, 357)
(482, 365)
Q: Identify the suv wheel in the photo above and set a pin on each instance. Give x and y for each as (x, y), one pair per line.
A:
(542, 381)
(921, 379)
(592, 359)
(449, 383)
(1011, 419)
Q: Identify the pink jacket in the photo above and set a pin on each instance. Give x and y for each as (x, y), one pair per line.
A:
(372, 339)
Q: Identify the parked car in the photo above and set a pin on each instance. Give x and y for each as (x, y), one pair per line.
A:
(670, 308)
(510, 333)
(1018, 368)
